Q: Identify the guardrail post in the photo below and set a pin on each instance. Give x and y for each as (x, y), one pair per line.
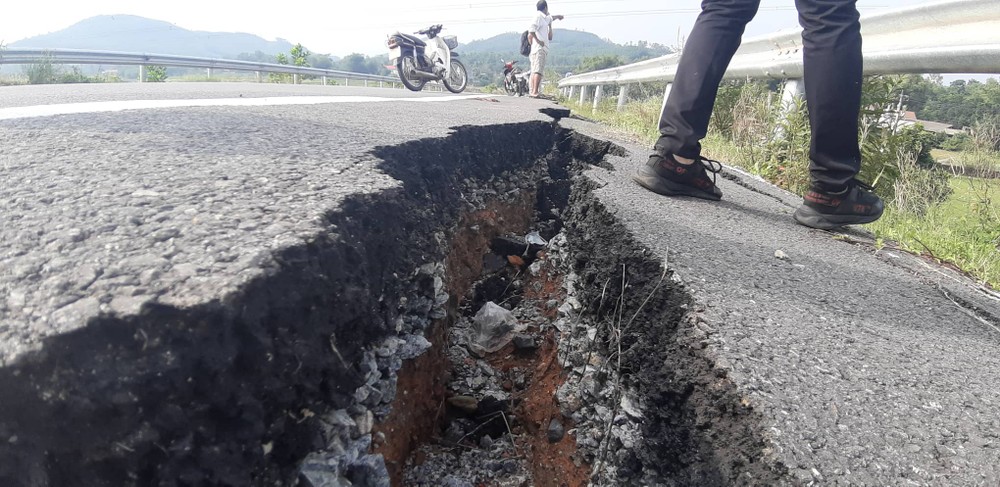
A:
(598, 95)
(666, 94)
(260, 79)
(208, 73)
(295, 78)
(794, 88)
(622, 96)
(142, 73)
(379, 83)
(583, 94)
(347, 81)
(572, 92)
(324, 80)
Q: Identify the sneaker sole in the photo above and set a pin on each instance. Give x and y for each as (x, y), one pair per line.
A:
(647, 178)
(811, 218)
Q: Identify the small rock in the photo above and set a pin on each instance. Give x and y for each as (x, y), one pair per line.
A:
(780, 254)
(524, 342)
(630, 407)
(466, 404)
(556, 431)
(486, 442)
(515, 260)
(365, 422)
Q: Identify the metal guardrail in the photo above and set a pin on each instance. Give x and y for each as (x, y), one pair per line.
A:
(952, 36)
(77, 56)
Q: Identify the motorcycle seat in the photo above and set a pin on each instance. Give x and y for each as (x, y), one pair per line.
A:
(412, 39)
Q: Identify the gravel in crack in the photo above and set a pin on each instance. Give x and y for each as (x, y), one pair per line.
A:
(495, 425)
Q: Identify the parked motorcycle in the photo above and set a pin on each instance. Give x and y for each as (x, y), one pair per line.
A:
(515, 81)
(418, 62)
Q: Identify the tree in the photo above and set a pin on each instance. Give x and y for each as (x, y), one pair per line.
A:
(280, 77)
(355, 63)
(300, 55)
(595, 63)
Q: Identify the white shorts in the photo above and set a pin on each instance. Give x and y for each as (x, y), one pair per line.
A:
(538, 61)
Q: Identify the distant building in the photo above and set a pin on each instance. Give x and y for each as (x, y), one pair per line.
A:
(907, 118)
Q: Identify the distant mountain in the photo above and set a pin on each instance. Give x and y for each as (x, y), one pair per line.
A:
(568, 44)
(569, 50)
(131, 33)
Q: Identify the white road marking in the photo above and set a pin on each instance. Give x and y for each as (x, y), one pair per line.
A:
(117, 106)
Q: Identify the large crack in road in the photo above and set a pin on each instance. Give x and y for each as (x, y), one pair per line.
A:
(299, 378)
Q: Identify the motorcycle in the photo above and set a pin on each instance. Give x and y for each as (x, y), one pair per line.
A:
(515, 81)
(416, 66)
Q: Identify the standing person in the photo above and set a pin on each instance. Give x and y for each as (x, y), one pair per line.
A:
(540, 34)
(831, 40)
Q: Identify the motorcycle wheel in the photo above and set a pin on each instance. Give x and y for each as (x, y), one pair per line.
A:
(405, 65)
(511, 91)
(458, 79)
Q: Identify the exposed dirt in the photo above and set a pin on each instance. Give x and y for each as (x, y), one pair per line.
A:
(552, 464)
(418, 410)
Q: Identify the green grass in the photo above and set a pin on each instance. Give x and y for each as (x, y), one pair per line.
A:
(964, 230)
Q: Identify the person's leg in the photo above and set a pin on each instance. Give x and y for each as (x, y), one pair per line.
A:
(833, 63)
(536, 73)
(676, 168)
(713, 41)
(831, 41)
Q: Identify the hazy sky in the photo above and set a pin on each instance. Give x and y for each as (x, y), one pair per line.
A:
(343, 26)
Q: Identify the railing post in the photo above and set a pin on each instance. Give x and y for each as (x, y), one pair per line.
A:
(142, 73)
(583, 94)
(598, 95)
(347, 81)
(295, 78)
(260, 79)
(208, 73)
(324, 80)
(379, 83)
(666, 94)
(572, 92)
(622, 96)
(794, 88)
(366, 83)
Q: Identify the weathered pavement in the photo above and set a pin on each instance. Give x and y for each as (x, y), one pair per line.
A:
(862, 367)
(866, 367)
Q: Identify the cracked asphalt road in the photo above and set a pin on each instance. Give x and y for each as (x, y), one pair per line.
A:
(106, 212)
(867, 367)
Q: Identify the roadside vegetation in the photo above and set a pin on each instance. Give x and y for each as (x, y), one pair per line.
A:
(942, 191)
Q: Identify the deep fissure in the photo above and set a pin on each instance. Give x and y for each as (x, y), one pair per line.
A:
(338, 364)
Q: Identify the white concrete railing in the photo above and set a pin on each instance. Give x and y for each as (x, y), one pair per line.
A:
(77, 56)
(950, 36)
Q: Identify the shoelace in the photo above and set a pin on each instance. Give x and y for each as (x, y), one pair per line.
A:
(712, 166)
(861, 184)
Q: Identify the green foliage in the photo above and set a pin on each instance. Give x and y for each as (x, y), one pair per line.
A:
(282, 59)
(960, 104)
(41, 72)
(957, 142)
(604, 61)
(156, 74)
(964, 230)
(300, 55)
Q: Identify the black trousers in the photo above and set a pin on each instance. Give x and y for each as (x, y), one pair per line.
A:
(831, 41)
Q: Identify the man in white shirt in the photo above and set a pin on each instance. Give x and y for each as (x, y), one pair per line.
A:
(540, 34)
